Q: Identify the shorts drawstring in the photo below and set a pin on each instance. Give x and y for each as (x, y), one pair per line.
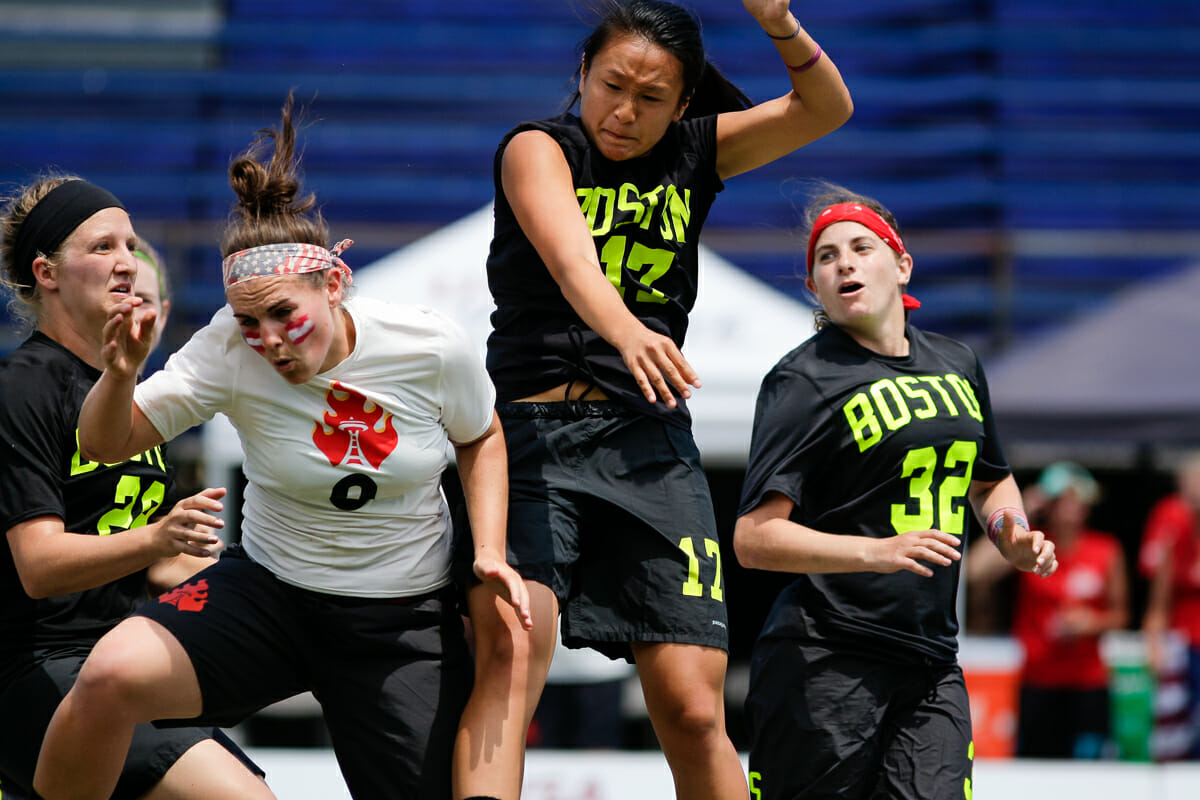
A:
(575, 335)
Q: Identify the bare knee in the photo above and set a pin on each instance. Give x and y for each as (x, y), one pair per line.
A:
(689, 713)
(502, 643)
(107, 684)
(683, 685)
(123, 675)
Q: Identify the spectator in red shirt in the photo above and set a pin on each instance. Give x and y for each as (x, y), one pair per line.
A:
(1170, 559)
(1064, 701)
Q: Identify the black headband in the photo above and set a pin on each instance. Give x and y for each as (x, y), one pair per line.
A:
(61, 211)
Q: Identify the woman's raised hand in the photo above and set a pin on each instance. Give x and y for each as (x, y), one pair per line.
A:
(127, 339)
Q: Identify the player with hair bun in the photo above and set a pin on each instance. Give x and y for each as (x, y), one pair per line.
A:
(341, 584)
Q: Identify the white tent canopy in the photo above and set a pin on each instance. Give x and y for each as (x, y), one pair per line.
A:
(739, 328)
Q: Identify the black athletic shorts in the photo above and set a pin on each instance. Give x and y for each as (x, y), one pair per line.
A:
(827, 724)
(392, 675)
(612, 510)
(28, 703)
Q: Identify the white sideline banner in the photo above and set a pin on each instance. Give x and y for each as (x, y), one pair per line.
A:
(312, 774)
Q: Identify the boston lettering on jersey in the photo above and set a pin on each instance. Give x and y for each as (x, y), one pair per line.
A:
(645, 216)
(600, 207)
(608, 210)
(81, 465)
(892, 403)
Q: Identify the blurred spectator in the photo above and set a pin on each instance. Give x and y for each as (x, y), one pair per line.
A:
(1064, 699)
(1170, 558)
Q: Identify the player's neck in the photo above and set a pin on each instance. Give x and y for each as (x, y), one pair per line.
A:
(888, 339)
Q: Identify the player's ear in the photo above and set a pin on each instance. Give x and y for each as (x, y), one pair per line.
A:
(43, 273)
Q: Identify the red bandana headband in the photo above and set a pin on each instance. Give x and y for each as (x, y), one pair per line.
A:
(868, 218)
(283, 259)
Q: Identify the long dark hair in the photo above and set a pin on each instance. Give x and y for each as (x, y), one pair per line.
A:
(270, 207)
(676, 30)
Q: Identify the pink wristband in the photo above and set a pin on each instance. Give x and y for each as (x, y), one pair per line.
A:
(807, 65)
(995, 522)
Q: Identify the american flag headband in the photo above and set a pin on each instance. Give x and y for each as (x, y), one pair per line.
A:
(291, 258)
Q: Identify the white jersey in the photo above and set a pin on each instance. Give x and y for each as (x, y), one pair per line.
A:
(344, 492)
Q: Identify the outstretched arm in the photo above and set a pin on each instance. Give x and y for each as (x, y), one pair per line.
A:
(483, 469)
(51, 560)
(817, 104)
(766, 539)
(111, 427)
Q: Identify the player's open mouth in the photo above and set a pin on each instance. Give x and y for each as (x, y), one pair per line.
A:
(849, 288)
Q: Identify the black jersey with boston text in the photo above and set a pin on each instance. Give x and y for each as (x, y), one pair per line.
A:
(871, 445)
(42, 386)
(645, 215)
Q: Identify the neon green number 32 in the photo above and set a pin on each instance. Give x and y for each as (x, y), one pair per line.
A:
(921, 470)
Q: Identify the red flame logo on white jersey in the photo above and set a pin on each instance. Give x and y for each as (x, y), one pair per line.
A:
(355, 431)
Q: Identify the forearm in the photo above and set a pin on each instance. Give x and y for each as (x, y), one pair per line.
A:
(596, 301)
(51, 561)
(483, 470)
(780, 545)
(988, 498)
(1113, 619)
(816, 82)
(1157, 617)
(106, 420)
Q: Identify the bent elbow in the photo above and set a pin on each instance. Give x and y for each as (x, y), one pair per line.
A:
(840, 112)
(37, 586)
(745, 545)
(89, 453)
(99, 452)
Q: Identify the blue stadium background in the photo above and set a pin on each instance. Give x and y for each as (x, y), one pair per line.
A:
(982, 124)
(1040, 155)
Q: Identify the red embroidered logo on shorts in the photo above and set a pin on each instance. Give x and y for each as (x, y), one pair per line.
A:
(188, 597)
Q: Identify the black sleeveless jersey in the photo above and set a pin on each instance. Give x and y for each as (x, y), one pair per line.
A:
(645, 215)
(42, 387)
(870, 445)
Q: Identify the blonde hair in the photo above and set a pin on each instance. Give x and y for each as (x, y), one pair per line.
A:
(25, 304)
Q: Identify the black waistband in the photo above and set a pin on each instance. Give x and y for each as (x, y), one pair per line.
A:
(566, 409)
(350, 601)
